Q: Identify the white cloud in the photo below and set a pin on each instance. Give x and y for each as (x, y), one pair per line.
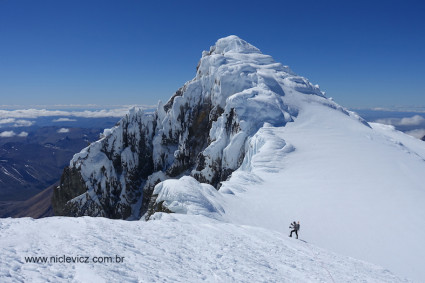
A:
(64, 120)
(23, 123)
(380, 109)
(387, 121)
(7, 134)
(418, 133)
(17, 123)
(99, 113)
(417, 109)
(416, 120)
(412, 121)
(7, 121)
(11, 134)
(63, 131)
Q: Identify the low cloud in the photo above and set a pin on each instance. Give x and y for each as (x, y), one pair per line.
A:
(23, 123)
(99, 113)
(11, 134)
(64, 120)
(418, 133)
(416, 120)
(387, 121)
(16, 123)
(412, 121)
(7, 121)
(417, 109)
(63, 131)
(7, 134)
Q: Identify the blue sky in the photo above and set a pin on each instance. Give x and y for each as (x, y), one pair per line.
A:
(361, 53)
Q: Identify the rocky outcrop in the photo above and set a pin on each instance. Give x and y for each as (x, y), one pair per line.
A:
(71, 186)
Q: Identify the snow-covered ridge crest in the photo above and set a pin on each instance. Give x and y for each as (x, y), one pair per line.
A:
(202, 131)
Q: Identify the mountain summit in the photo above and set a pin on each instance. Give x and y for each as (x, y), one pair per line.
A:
(232, 43)
(203, 131)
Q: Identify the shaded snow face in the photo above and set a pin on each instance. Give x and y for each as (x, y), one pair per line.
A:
(202, 131)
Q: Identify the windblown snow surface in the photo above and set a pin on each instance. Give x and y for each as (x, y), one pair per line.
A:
(173, 248)
(357, 190)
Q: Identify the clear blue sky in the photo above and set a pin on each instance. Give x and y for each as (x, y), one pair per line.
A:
(362, 53)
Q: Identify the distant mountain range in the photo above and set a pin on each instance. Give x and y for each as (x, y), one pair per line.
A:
(31, 164)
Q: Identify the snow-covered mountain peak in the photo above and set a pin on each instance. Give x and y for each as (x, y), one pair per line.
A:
(232, 43)
(203, 131)
(233, 66)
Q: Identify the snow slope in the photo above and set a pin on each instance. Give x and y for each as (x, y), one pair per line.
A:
(177, 248)
(357, 190)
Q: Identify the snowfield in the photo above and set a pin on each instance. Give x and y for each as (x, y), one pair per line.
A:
(177, 248)
(358, 191)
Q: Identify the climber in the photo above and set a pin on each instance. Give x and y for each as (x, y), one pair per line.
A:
(295, 227)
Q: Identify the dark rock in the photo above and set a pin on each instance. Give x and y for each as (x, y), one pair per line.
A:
(71, 180)
(182, 152)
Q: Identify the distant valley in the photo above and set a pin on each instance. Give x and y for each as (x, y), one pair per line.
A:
(33, 161)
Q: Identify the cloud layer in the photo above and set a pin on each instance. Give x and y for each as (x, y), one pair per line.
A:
(35, 113)
(11, 134)
(64, 120)
(416, 120)
(63, 131)
(413, 126)
(418, 133)
(26, 117)
(16, 123)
